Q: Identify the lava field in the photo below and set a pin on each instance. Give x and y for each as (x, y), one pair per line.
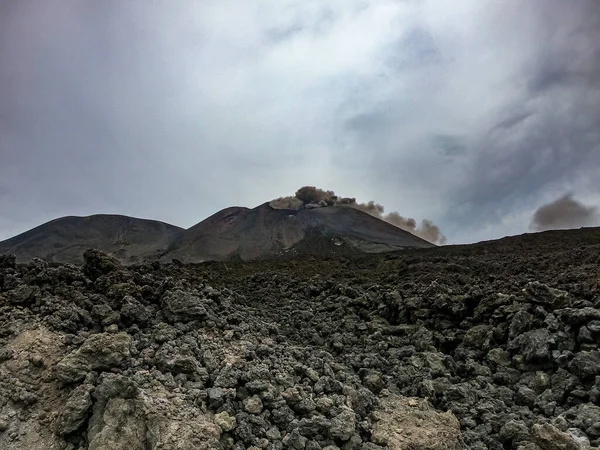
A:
(486, 346)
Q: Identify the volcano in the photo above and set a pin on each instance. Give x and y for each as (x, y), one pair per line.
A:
(266, 232)
(233, 233)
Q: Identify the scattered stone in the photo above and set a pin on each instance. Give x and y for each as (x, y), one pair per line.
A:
(548, 437)
(182, 306)
(75, 411)
(343, 425)
(586, 364)
(401, 424)
(225, 421)
(103, 351)
(253, 405)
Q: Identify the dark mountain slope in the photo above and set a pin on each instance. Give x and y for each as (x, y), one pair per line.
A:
(265, 232)
(64, 240)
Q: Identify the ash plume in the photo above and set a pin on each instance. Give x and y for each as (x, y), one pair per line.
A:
(375, 209)
(564, 212)
(290, 202)
(313, 197)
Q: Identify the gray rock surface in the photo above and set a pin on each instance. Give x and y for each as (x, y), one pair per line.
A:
(308, 354)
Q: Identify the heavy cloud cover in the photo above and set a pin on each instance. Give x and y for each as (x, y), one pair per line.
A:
(312, 197)
(466, 112)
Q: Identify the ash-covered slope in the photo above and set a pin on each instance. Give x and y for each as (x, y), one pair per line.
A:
(64, 240)
(265, 232)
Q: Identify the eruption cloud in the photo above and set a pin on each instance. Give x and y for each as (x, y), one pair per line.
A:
(564, 212)
(313, 197)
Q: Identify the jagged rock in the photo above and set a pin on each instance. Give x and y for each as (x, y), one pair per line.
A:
(105, 314)
(534, 345)
(97, 264)
(178, 364)
(343, 425)
(499, 357)
(586, 364)
(225, 421)
(521, 322)
(373, 380)
(228, 377)
(579, 437)
(548, 437)
(314, 426)
(99, 352)
(476, 337)
(117, 420)
(545, 295)
(362, 401)
(23, 295)
(126, 417)
(253, 405)
(586, 417)
(216, 397)
(182, 306)
(118, 425)
(579, 316)
(8, 261)
(75, 411)
(134, 311)
(295, 440)
(404, 423)
(514, 431)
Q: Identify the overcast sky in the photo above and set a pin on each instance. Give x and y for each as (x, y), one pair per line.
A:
(470, 113)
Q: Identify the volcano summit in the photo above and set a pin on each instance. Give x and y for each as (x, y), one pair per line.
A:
(328, 226)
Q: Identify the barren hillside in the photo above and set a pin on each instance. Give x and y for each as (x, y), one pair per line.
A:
(129, 239)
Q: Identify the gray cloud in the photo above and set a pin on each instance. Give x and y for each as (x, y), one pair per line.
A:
(512, 120)
(523, 127)
(564, 212)
(464, 113)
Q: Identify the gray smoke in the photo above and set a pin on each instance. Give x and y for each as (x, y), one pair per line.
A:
(290, 202)
(426, 230)
(312, 197)
(564, 212)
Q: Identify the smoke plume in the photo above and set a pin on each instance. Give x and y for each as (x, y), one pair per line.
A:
(290, 202)
(564, 212)
(313, 197)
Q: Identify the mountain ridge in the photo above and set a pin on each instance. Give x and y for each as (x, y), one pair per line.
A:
(233, 232)
(64, 239)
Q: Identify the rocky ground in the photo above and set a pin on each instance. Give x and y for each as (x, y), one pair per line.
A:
(487, 346)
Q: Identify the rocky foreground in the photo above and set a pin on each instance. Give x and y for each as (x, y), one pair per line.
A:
(487, 346)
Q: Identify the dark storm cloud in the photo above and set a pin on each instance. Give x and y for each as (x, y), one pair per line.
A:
(533, 127)
(91, 118)
(464, 112)
(564, 212)
(556, 147)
